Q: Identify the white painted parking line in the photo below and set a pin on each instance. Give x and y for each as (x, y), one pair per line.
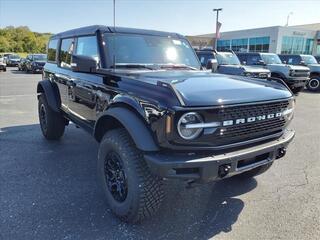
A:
(25, 95)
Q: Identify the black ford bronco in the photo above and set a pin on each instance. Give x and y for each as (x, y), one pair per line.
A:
(142, 96)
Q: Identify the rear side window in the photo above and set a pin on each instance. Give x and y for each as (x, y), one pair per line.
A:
(87, 46)
(52, 50)
(294, 60)
(66, 52)
(253, 59)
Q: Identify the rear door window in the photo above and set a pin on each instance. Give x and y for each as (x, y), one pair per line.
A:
(66, 51)
(253, 59)
(87, 46)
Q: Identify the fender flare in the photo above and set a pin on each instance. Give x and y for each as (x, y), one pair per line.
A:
(280, 74)
(51, 93)
(128, 119)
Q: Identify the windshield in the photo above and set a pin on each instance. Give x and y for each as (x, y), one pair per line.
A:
(308, 59)
(271, 59)
(14, 56)
(144, 49)
(227, 59)
(41, 57)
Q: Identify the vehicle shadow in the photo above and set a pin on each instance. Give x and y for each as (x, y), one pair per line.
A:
(16, 71)
(50, 189)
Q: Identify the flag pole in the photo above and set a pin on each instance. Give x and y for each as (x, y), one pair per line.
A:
(217, 27)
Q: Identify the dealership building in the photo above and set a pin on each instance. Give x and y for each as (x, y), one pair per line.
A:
(300, 39)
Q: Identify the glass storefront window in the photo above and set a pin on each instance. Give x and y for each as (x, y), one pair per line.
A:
(223, 45)
(259, 44)
(296, 45)
(239, 45)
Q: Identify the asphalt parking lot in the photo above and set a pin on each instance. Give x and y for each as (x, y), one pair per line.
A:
(48, 190)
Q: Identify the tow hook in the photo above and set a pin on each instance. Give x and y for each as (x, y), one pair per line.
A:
(224, 170)
(281, 153)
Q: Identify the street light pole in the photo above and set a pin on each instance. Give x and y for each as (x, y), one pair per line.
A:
(217, 20)
(290, 13)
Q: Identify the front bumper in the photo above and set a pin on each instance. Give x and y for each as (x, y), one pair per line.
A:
(297, 81)
(204, 168)
(37, 68)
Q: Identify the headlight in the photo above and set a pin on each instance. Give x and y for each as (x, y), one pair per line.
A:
(247, 74)
(186, 125)
(291, 72)
(289, 112)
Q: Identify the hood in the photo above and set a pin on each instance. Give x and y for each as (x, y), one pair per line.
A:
(42, 63)
(295, 67)
(199, 88)
(314, 67)
(255, 69)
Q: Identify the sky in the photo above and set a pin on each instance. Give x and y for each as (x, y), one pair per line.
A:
(188, 17)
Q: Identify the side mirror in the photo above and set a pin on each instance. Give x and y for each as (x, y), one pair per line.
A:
(244, 63)
(284, 62)
(303, 63)
(82, 63)
(212, 64)
(261, 62)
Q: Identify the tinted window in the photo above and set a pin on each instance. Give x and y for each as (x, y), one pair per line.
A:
(66, 52)
(253, 59)
(270, 58)
(52, 50)
(294, 60)
(204, 57)
(87, 46)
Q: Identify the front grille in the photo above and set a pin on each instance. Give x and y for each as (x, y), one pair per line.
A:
(254, 129)
(300, 73)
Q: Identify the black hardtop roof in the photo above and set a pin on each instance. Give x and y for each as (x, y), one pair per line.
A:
(89, 30)
(248, 53)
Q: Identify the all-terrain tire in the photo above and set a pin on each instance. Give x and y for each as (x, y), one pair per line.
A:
(314, 84)
(144, 191)
(52, 123)
(255, 172)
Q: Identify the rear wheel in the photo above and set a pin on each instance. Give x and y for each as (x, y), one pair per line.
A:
(256, 171)
(131, 191)
(52, 123)
(314, 84)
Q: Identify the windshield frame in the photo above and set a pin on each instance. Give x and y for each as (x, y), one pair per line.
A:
(304, 57)
(270, 54)
(224, 54)
(108, 63)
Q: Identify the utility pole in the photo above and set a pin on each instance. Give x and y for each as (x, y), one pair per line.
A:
(216, 39)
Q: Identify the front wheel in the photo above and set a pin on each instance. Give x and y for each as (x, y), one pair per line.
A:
(52, 123)
(314, 84)
(131, 191)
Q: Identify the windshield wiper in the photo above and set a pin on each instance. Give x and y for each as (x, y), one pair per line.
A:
(177, 66)
(135, 65)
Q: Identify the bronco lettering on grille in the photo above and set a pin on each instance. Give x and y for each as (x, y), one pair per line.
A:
(251, 119)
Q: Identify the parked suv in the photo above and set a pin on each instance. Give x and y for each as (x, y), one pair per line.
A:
(35, 62)
(142, 96)
(295, 77)
(317, 58)
(228, 63)
(308, 61)
(13, 60)
(3, 65)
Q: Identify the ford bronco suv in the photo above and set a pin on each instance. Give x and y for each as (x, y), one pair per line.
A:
(156, 115)
(228, 63)
(295, 77)
(308, 61)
